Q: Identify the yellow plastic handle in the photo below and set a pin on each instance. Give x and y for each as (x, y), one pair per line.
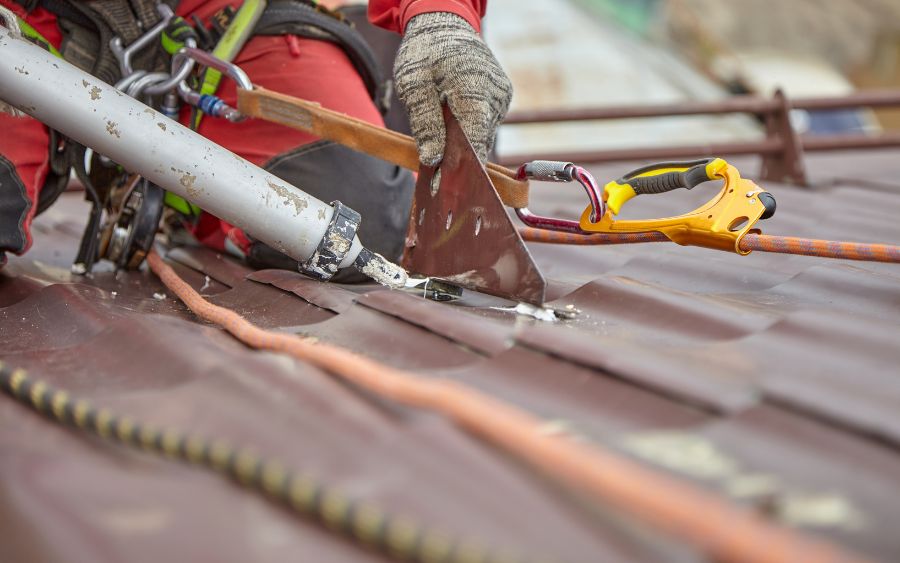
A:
(660, 178)
(720, 223)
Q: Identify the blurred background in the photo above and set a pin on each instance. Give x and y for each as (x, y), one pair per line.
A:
(575, 57)
(589, 53)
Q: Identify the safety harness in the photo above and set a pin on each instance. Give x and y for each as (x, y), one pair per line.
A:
(88, 28)
(96, 36)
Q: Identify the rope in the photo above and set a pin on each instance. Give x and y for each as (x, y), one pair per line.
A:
(869, 252)
(822, 248)
(366, 524)
(556, 237)
(724, 531)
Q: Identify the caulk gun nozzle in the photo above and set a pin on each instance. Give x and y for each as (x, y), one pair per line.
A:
(380, 269)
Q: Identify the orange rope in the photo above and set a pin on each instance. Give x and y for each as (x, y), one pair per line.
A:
(869, 252)
(556, 237)
(725, 531)
(822, 248)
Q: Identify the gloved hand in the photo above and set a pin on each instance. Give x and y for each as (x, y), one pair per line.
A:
(442, 58)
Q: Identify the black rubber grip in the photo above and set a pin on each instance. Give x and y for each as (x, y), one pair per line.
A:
(768, 201)
(661, 183)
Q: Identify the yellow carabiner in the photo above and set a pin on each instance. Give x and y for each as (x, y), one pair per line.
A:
(719, 224)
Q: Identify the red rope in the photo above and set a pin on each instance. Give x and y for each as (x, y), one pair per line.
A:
(869, 252)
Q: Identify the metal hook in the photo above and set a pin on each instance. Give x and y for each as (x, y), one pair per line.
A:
(233, 71)
(141, 86)
(177, 76)
(553, 171)
(211, 104)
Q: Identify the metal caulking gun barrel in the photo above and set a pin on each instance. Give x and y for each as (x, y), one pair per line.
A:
(321, 237)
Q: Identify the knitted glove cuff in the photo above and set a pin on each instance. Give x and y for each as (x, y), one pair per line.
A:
(443, 59)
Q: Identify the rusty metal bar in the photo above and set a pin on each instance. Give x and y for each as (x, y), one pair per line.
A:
(762, 148)
(769, 146)
(866, 99)
(844, 142)
(782, 151)
(789, 162)
(737, 104)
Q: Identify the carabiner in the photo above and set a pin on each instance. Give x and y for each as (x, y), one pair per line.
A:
(553, 171)
(209, 60)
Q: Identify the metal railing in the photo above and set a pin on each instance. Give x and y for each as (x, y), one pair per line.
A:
(782, 150)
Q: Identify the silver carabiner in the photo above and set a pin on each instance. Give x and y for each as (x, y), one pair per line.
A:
(177, 77)
(209, 60)
(553, 171)
(211, 104)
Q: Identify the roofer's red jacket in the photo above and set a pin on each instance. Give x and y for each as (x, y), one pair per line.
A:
(394, 14)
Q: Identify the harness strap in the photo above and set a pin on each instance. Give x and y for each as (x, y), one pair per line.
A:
(118, 16)
(89, 26)
(145, 11)
(362, 136)
(91, 48)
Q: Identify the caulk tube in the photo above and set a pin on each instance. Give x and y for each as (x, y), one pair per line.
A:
(171, 156)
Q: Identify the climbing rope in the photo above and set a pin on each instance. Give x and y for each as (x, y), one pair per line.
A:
(368, 525)
(869, 252)
(724, 531)
(822, 248)
(558, 237)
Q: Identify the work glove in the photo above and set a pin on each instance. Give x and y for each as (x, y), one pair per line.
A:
(443, 59)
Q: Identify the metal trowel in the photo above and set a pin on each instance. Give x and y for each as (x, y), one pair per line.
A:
(459, 231)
